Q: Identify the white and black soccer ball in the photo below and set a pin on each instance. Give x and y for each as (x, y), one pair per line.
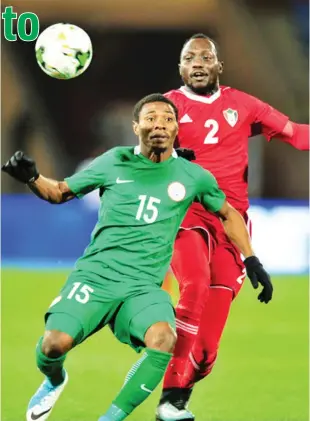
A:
(64, 51)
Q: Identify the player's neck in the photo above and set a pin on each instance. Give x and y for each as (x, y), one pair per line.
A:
(211, 90)
(156, 156)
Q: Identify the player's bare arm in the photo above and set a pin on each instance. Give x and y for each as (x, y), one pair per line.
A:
(23, 168)
(236, 229)
(52, 191)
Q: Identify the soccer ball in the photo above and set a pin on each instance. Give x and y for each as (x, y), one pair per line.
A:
(64, 51)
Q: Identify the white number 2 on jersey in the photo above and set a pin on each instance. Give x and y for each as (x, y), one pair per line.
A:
(211, 137)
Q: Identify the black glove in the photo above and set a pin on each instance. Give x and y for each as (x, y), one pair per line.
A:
(258, 275)
(21, 167)
(185, 153)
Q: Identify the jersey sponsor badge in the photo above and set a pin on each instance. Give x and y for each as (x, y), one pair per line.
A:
(176, 191)
(231, 116)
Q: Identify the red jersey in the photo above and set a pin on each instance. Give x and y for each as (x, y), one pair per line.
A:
(217, 128)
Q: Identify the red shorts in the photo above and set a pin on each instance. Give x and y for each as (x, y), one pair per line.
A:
(226, 266)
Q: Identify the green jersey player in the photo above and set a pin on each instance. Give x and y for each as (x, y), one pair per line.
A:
(145, 192)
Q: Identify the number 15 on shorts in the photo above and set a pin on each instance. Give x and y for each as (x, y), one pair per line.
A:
(79, 292)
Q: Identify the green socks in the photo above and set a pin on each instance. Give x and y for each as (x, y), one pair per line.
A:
(51, 367)
(141, 380)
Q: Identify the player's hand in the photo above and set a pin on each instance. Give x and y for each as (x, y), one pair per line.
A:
(185, 153)
(258, 275)
(21, 167)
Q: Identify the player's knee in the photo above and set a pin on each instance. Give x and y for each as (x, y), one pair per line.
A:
(210, 346)
(55, 343)
(161, 336)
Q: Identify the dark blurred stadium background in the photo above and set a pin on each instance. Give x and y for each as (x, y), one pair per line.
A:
(62, 124)
(136, 49)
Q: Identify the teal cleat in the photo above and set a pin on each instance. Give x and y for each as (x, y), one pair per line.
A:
(43, 401)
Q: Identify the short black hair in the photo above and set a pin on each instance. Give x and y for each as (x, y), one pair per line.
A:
(202, 36)
(152, 98)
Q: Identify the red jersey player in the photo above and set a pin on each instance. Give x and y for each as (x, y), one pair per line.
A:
(215, 121)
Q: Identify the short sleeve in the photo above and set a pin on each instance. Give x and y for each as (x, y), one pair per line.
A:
(90, 178)
(209, 194)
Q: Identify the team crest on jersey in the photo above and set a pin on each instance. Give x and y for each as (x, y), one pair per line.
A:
(231, 116)
(176, 191)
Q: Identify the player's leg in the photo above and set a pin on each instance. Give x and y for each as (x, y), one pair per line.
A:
(204, 352)
(145, 321)
(192, 270)
(228, 274)
(190, 265)
(68, 322)
(201, 358)
(227, 277)
(51, 353)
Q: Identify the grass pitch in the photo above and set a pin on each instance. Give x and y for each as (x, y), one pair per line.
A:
(261, 373)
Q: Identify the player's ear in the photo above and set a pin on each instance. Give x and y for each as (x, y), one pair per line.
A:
(221, 67)
(135, 127)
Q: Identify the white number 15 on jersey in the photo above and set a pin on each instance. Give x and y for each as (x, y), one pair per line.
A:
(147, 211)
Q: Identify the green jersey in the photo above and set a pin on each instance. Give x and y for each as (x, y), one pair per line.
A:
(142, 206)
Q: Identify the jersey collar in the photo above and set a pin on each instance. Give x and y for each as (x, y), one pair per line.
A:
(137, 151)
(200, 98)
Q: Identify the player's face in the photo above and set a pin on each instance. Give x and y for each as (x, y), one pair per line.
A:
(200, 67)
(157, 127)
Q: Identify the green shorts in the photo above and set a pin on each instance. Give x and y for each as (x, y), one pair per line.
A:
(85, 305)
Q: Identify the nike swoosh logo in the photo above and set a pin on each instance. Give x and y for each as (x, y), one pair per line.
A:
(145, 389)
(38, 416)
(119, 181)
